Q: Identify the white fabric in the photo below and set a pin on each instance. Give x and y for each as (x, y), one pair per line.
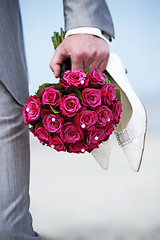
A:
(136, 125)
(89, 30)
(138, 121)
(102, 154)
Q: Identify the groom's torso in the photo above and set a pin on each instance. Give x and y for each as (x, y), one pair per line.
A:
(13, 70)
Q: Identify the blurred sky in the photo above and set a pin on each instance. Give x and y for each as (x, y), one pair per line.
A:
(137, 40)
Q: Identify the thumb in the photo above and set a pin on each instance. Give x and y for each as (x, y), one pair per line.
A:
(59, 56)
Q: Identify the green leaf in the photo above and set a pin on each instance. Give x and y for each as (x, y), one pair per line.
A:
(86, 71)
(74, 90)
(45, 106)
(106, 78)
(118, 94)
(43, 86)
(58, 86)
(55, 110)
(105, 73)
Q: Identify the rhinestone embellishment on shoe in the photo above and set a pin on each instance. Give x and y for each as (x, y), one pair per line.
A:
(123, 137)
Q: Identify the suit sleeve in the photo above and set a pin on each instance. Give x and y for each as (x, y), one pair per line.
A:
(88, 13)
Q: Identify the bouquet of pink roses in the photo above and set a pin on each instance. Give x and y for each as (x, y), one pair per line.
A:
(76, 114)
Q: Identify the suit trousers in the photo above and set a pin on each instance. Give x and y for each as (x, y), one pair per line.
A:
(15, 218)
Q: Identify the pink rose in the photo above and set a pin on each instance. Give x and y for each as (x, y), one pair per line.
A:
(53, 122)
(104, 115)
(50, 95)
(106, 138)
(31, 110)
(116, 110)
(78, 147)
(86, 119)
(75, 78)
(71, 133)
(96, 78)
(108, 93)
(57, 143)
(91, 97)
(70, 105)
(92, 147)
(41, 133)
(109, 129)
(95, 136)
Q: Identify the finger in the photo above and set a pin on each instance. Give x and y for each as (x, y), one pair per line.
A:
(59, 56)
(95, 63)
(88, 60)
(56, 69)
(100, 62)
(102, 66)
(77, 62)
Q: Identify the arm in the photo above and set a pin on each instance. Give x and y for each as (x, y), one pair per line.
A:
(85, 50)
(88, 13)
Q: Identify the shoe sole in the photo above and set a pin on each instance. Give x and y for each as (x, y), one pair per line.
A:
(144, 140)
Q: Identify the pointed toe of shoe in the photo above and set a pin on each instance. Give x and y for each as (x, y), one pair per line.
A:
(134, 153)
(132, 139)
(102, 154)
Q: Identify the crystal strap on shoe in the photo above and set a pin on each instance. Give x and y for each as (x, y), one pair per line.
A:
(123, 137)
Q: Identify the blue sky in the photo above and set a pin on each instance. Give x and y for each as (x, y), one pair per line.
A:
(137, 40)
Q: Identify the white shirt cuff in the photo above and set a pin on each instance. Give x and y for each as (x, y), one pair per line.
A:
(88, 30)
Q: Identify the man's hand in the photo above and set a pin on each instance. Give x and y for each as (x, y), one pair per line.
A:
(85, 51)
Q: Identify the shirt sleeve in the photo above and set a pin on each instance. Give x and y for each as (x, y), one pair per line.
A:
(88, 30)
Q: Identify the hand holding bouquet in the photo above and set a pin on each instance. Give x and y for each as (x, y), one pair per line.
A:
(76, 114)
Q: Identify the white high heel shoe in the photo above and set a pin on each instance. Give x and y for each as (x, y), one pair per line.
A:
(131, 130)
